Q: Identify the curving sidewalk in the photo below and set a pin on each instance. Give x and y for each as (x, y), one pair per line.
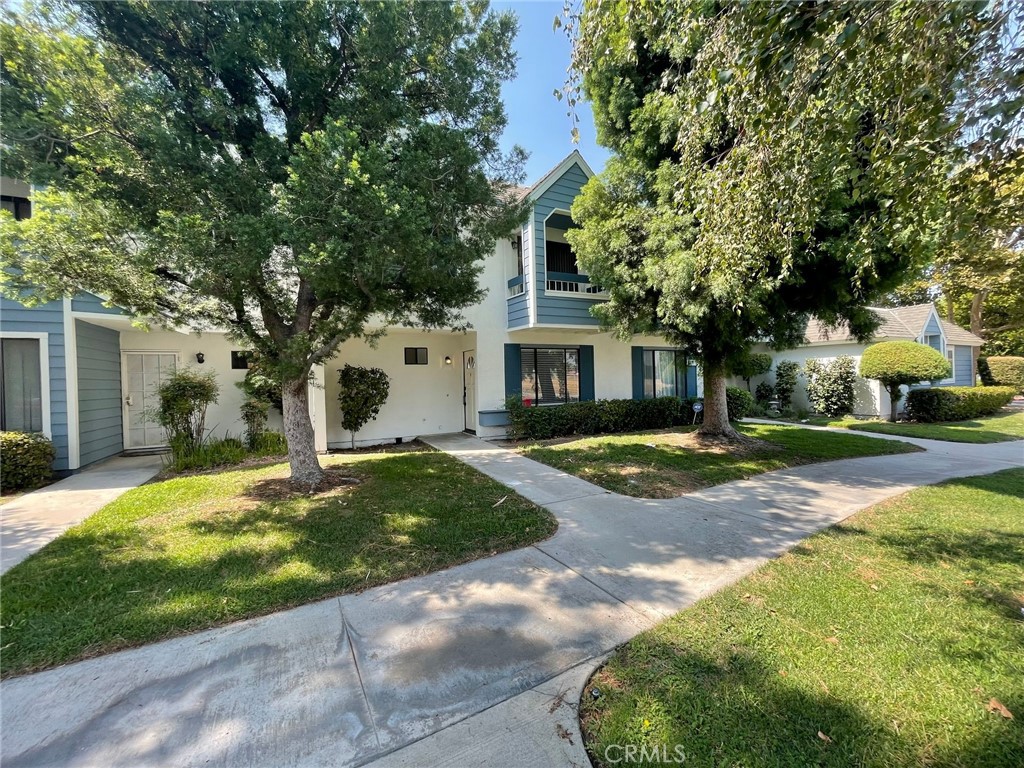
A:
(481, 664)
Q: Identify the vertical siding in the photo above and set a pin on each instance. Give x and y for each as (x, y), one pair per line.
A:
(560, 310)
(99, 391)
(46, 318)
(963, 368)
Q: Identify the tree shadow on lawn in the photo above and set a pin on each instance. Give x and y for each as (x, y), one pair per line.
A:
(101, 588)
(735, 709)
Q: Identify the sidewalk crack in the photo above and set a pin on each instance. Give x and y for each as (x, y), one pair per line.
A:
(359, 674)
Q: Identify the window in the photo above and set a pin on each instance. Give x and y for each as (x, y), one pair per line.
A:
(560, 258)
(551, 375)
(951, 357)
(21, 386)
(517, 248)
(241, 360)
(21, 207)
(415, 355)
(934, 341)
(664, 373)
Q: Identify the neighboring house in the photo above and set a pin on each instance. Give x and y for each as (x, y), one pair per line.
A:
(80, 372)
(920, 323)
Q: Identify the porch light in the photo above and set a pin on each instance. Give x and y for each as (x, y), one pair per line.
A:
(200, 358)
(447, 359)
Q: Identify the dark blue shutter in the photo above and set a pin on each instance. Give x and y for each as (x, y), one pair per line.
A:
(586, 372)
(513, 370)
(691, 381)
(638, 372)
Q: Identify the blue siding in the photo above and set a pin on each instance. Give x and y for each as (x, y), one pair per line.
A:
(513, 370)
(518, 311)
(99, 391)
(46, 318)
(963, 370)
(87, 302)
(933, 328)
(561, 310)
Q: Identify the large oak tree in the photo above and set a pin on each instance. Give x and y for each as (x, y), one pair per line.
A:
(290, 171)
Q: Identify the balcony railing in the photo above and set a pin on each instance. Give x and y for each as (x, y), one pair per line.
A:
(575, 285)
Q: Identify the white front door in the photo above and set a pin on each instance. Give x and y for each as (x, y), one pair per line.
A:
(144, 372)
(469, 387)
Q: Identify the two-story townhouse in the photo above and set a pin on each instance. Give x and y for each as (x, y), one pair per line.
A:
(82, 373)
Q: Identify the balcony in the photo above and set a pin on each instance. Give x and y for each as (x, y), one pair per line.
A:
(571, 284)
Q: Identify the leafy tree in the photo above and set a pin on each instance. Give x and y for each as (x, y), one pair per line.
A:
(786, 372)
(283, 170)
(771, 161)
(830, 386)
(898, 364)
(363, 393)
(754, 364)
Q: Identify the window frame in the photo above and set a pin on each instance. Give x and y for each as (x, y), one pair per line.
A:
(22, 206)
(680, 371)
(416, 355)
(534, 398)
(44, 374)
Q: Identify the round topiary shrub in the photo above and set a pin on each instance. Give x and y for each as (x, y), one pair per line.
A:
(1007, 372)
(900, 363)
(363, 393)
(739, 402)
(754, 364)
(26, 460)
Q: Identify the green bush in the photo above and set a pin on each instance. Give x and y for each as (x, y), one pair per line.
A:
(900, 363)
(785, 381)
(26, 460)
(764, 392)
(739, 402)
(254, 415)
(830, 386)
(984, 373)
(1007, 372)
(270, 444)
(754, 364)
(594, 417)
(207, 455)
(363, 393)
(184, 398)
(956, 403)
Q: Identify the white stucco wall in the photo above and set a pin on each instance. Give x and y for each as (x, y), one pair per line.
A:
(871, 399)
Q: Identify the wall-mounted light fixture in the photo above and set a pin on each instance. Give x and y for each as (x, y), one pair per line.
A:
(447, 359)
(200, 358)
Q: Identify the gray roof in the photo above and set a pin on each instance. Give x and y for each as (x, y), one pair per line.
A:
(897, 323)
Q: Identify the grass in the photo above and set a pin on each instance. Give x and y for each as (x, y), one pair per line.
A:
(657, 465)
(193, 552)
(890, 640)
(988, 429)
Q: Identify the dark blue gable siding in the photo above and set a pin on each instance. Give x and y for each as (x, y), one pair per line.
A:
(46, 318)
(558, 310)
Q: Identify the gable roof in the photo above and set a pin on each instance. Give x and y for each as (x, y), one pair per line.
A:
(896, 323)
(549, 178)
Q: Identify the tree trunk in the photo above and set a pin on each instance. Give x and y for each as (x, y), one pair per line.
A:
(976, 307)
(894, 401)
(716, 409)
(298, 429)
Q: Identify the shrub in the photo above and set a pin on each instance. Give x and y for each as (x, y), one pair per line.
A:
(26, 460)
(270, 444)
(899, 363)
(207, 455)
(755, 364)
(363, 393)
(254, 416)
(956, 403)
(764, 392)
(984, 373)
(785, 381)
(830, 386)
(1007, 372)
(184, 398)
(594, 417)
(260, 385)
(739, 402)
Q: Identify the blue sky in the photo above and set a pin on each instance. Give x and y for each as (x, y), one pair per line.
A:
(536, 119)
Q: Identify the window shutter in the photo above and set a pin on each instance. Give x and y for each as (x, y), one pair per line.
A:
(638, 372)
(691, 381)
(513, 371)
(586, 372)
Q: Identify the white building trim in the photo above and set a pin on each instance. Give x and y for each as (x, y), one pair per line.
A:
(71, 390)
(44, 372)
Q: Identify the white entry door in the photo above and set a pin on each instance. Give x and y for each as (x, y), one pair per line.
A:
(144, 372)
(469, 387)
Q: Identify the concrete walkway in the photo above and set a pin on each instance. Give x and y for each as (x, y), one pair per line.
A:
(32, 521)
(480, 664)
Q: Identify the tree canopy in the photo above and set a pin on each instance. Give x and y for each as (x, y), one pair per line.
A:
(288, 171)
(771, 161)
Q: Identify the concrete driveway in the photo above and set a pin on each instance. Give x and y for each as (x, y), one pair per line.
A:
(476, 665)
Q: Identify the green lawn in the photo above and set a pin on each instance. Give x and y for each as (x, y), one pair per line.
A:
(658, 465)
(896, 636)
(193, 552)
(988, 429)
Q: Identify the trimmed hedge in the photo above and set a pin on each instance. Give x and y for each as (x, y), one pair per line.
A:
(1007, 372)
(593, 417)
(956, 403)
(26, 460)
